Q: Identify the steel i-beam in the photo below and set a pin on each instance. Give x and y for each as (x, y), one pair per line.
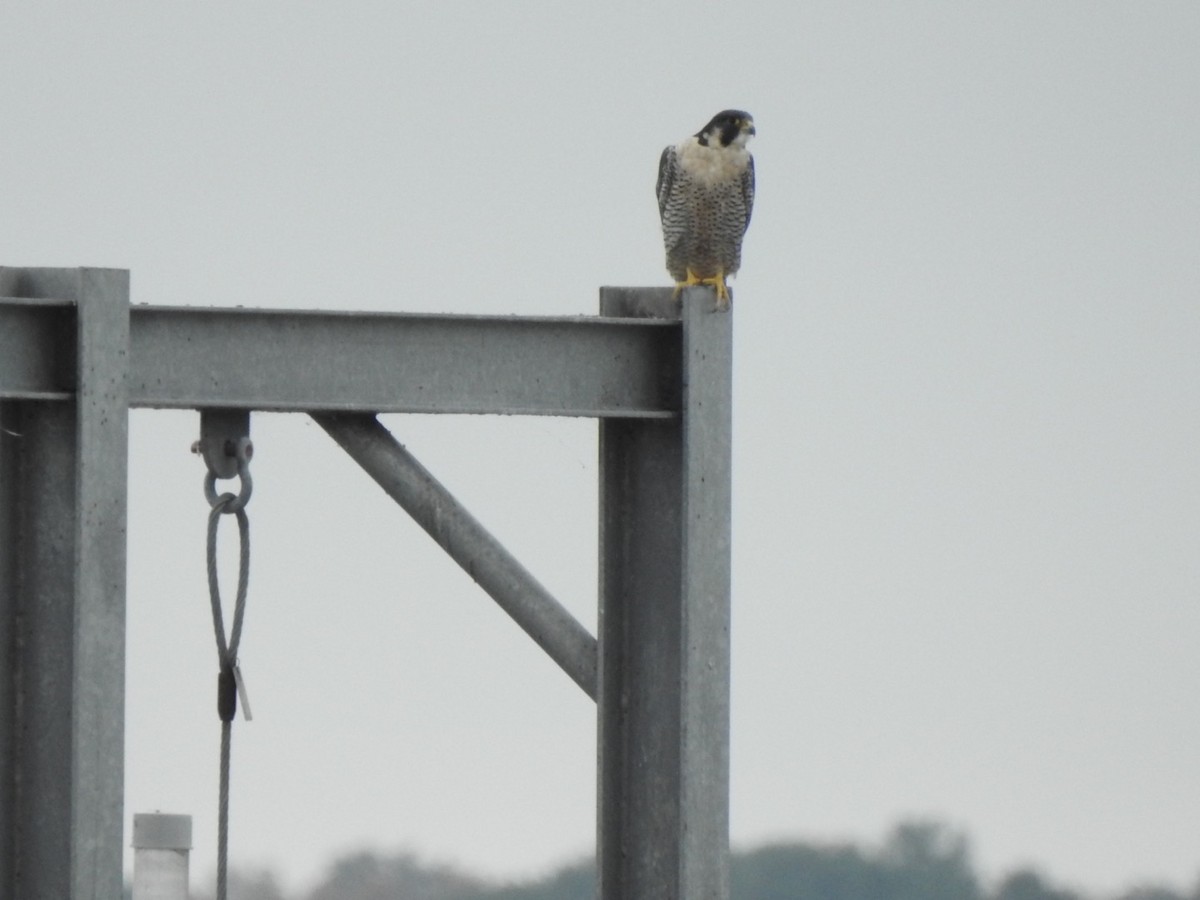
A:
(74, 357)
(62, 594)
(664, 623)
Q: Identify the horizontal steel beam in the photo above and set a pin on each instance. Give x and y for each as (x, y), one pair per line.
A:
(311, 360)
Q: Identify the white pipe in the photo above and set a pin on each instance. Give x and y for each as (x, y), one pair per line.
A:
(161, 845)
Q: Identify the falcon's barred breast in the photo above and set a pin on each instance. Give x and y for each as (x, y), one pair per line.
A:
(705, 196)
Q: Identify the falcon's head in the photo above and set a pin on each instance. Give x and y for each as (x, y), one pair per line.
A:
(730, 127)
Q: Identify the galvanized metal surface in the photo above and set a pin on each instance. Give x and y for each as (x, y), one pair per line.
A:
(663, 814)
(63, 498)
(37, 347)
(221, 433)
(39, 617)
(101, 474)
(11, 525)
(307, 360)
(661, 388)
(706, 589)
(302, 360)
(468, 543)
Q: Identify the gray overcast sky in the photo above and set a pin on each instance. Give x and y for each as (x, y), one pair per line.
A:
(967, 502)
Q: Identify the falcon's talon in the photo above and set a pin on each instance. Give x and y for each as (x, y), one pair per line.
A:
(718, 281)
(692, 280)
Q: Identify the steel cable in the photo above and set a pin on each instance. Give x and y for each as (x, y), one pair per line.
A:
(229, 676)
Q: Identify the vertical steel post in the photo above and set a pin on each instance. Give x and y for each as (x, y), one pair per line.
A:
(10, 479)
(663, 830)
(62, 602)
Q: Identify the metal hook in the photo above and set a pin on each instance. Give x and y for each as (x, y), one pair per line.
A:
(233, 502)
(227, 450)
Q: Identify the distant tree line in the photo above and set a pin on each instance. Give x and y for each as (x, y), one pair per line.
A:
(917, 861)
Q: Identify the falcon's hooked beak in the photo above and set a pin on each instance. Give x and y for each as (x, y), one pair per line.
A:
(745, 132)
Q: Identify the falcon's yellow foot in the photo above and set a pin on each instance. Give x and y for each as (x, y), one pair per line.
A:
(692, 280)
(717, 281)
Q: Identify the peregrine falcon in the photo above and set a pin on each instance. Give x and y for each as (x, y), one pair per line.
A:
(705, 195)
